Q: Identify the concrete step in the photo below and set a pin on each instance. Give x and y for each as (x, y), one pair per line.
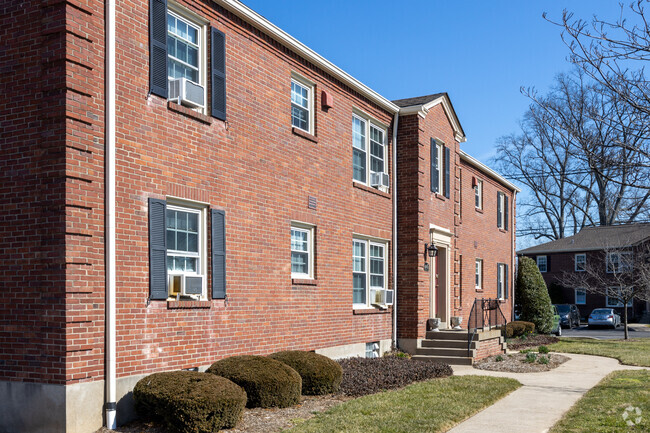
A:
(451, 360)
(443, 351)
(447, 335)
(451, 344)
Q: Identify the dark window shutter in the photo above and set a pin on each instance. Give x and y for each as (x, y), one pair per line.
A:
(507, 276)
(499, 210)
(218, 218)
(505, 211)
(499, 294)
(446, 172)
(434, 166)
(218, 75)
(158, 47)
(157, 249)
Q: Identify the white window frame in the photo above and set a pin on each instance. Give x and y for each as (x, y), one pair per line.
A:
(309, 229)
(372, 349)
(478, 274)
(626, 264)
(584, 296)
(200, 24)
(440, 166)
(202, 263)
(616, 302)
(502, 280)
(539, 264)
(368, 242)
(502, 205)
(583, 262)
(309, 86)
(369, 125)
(478, 194)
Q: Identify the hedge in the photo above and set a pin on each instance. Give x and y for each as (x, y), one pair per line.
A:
(320, 374)
(519, 328)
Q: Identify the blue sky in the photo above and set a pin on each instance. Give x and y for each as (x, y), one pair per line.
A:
(480, 52)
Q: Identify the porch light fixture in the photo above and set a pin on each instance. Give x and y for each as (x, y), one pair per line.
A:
(430, 251)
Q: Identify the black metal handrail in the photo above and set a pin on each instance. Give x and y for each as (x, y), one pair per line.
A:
(484, 313)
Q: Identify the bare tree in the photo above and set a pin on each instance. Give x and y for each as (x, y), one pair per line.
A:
(620, 273)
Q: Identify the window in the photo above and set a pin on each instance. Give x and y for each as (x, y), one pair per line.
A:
(542, 263)
(184, 47)
(580, 262)
(478, 194)
(302, 102)
(581, 296)
(372, 350)
(502, 211)
(619, 262)
(368, 269)
(502, 281)
(184, 229)
(302, 247)
(478, 274)
(613, 301)
(368, 149)
(436, 166)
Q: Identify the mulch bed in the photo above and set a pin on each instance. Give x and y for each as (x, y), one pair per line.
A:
(531, 341)
(514, 363)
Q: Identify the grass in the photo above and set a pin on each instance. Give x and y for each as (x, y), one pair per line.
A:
(630, 352)
(601, 409)
(432, 406)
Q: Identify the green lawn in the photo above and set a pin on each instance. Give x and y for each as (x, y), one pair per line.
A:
(601, 409)
(630, 352)
(432, 406)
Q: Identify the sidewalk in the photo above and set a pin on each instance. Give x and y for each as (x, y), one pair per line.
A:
(543, 398)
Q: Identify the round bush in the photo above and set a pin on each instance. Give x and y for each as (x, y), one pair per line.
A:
(267, 382)
(533, 296)
(189, 401)
(519, 328)
(320, 375)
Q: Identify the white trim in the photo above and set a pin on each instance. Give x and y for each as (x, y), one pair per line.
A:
(370, 123)
(368, 242)
(423, 109)
(478, 193)
(311, 96)
(545, 263)
(437, 230)
(575, 293)
(575, 262)
(309, 229)
(487, 170)
(261, 23)
(478, 271)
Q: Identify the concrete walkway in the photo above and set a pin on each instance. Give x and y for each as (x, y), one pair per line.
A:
(543, 398)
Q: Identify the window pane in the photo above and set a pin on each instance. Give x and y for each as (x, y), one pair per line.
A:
(192, 35)
(193, 222)
(181, 220)
(299, 95)
(299, 263)
(359, 165)
(190, 264)
(299, 118)
(193, 242)
(171, 218)
(377, 281)
(171, 240)
(359, 288)
(359, 133)
(376, 266)
(376, 165)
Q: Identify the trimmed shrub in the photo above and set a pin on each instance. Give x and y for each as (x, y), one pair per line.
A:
(533, 296)
(362, 376)
(530, 357)
(267, 382)
(543, 360)
(319, 374)
(543, 349)
(189, 401)
(519, 328)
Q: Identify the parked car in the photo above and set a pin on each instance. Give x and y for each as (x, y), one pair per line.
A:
(557, 328)
(569, 315)
(604, 317)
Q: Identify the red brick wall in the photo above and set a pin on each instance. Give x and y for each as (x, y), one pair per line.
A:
(486, 348)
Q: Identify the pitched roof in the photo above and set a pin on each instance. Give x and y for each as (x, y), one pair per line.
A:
(595, 238)
(418, 100)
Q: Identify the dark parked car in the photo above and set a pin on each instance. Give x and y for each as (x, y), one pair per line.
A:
(604, 317)
(569, 315)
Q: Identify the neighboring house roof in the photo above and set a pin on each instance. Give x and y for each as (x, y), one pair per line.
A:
(485, 169)
(595, 238)
(264, 25)
(422, 104)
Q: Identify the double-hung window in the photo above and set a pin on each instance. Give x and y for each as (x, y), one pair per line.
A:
(615, 294)
(581, 296)
(437, 156)
(184, 47)
(580, 262)
(368, 150)
(542, 263)
(368, 270)
(619, 262)
(302, 251)
(302, 105)
(478, 274)
(478, 194)
(502, 211)
(502, 281)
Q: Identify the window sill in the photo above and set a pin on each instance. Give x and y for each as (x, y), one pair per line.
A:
(180, 305)
(441, 197)
(503, 231)
(370, 189)
(173, 106)
(304, 282)
(365, 311)
(478, 209)
(303, 134)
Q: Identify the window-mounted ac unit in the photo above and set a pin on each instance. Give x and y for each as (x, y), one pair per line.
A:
(186, 92)
(185, 285)
(382, 297)
(379, 180)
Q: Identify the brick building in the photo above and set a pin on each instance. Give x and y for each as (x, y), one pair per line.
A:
(609, 248)
(204, 185)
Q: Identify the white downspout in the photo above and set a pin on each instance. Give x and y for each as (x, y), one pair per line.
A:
(395, 125)
(109, 252)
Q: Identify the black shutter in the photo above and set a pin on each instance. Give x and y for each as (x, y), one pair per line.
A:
(218, 218)
(218, 58)
(446, 172)
(499, 210)
(158, 47)
(157, 249)
(499, 294)
(505, 212)
(505, 285)
(434, 166)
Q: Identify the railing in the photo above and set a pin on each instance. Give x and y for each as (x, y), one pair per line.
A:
(485, 313)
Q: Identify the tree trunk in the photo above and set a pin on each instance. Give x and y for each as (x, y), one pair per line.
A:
(625, 320)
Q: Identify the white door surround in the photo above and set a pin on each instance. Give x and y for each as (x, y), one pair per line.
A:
(439, 299)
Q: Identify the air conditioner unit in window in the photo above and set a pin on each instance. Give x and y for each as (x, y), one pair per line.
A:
(379, 180)
(185, 285)
(186, 92)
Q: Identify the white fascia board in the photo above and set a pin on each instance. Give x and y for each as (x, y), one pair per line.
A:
(423, 109)
(484, 168)
(264, 25)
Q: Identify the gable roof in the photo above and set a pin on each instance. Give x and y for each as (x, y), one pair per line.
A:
(595, 238)
(422, 104)
(418, 100)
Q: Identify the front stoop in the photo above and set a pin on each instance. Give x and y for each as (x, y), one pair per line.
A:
(451, 347)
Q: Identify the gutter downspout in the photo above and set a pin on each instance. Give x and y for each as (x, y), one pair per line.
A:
(395, 125)
(110, 406)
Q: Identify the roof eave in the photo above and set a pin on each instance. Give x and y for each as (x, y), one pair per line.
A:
(476, 163)
(423, 109)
